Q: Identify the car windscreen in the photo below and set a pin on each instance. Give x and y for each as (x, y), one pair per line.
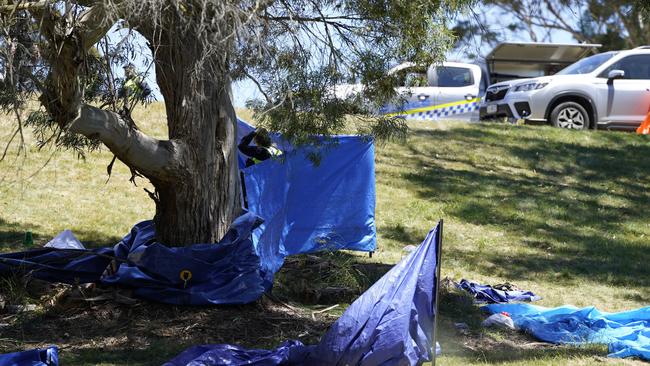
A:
(454, 77)
(587, 65)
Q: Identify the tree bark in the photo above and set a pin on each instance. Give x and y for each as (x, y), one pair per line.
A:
(158, 159)
(199, 204)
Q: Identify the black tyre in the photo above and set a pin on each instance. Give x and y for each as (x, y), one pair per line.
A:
(570, 115)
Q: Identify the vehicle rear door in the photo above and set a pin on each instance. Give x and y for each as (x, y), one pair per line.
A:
(627, 100)
(519, 60)
(458, 87)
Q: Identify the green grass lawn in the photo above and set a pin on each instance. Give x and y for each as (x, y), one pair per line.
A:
(562, 213)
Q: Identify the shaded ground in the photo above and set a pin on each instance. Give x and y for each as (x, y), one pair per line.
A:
(149, 334)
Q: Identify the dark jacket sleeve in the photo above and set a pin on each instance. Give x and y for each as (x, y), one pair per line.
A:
(252, 151)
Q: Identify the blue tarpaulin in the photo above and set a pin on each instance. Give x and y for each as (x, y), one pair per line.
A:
(490, 295)
(58, 265)
(627, 333)
(35, 357)
(305, 208)
(230, 272)
(288, 353)
(392, 323)
(308, 206)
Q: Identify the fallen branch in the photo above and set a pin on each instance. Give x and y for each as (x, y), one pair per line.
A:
(326, 309)
(313, 313)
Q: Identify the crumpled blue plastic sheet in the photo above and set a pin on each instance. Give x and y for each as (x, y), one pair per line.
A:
(627, 333)
(288, 353)
(391, 323)
(229, 272)
(58, 265)
(35, 357)
(490, 295)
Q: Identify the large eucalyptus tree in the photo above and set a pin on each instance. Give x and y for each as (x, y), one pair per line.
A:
(292, 50)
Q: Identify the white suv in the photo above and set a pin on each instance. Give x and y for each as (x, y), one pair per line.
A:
(607, 90)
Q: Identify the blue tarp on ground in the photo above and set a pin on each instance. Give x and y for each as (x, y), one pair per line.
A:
(35, 357)
(488, 294)
(626, 333)
(288, 353)
(306, 208)
(58, 265)
(230, 272)
(390, 324)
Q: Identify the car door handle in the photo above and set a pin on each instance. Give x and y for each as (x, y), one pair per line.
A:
(423, 97)
(469, 97)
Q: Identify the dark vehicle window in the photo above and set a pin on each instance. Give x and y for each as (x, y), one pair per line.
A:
(636, 67)
(449, 76)
(484, 81)
(412, 77)
(587, 65)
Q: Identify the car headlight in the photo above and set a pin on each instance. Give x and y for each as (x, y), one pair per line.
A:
(529, 87)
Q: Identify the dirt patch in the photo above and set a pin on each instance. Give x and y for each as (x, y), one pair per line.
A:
(77, 325)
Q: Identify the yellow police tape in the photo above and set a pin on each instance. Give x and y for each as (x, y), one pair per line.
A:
(433, 107)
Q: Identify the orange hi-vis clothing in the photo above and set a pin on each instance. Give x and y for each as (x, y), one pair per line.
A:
(644, 128)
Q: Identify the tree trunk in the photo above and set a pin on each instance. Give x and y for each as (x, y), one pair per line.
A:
(195, 172)
(201, 201)
(200, 205)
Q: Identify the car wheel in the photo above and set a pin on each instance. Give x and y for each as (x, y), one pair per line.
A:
(570, 115)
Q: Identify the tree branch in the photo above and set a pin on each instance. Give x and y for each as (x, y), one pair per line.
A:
(560, 18)
(39, 4)
(155, 159)
(66, 50)
(26, 5)
(94, 24)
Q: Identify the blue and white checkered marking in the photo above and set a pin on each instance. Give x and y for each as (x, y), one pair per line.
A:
(444, 112)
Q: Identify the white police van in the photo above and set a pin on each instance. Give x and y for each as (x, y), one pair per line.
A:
(453, 90)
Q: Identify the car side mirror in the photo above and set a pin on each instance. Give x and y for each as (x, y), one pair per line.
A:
(615, 74)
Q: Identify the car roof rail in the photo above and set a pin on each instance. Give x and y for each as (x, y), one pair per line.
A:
(643, 48)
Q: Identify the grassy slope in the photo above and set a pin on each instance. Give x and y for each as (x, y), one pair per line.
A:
(561, 213)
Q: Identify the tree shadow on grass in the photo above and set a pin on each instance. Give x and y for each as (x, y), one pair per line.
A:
(399, 233)
(501, 346)
(150, 334)
(575, 204)
(12, 235)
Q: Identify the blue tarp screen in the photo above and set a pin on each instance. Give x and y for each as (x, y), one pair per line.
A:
(392, 323)
(310, 207)
(627, 333)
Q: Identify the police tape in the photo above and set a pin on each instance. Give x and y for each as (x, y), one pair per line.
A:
(439, 110)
